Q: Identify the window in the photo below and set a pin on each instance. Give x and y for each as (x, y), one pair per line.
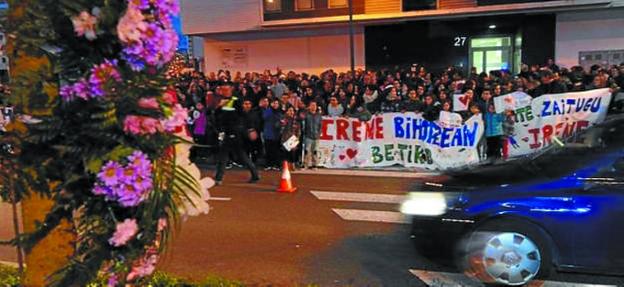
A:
(304, 5)
(272, 5)
(338, 3)
(415, 5)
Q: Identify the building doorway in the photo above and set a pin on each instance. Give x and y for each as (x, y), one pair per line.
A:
(491, 53)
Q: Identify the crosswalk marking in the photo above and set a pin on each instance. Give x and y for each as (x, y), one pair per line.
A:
(358, 197)
(219, 199)
(445, 279)
(371, 215)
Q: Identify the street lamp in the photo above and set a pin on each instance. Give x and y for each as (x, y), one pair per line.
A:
(351, 40)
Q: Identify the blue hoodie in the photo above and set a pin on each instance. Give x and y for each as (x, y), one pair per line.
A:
(271, 119)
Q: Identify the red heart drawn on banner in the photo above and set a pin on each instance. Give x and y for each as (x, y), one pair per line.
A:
(508, 100)
(351, 153)
(464, 99)
(342, 157)
(525, 139)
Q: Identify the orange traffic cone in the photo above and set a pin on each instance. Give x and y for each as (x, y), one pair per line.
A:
(286, 184)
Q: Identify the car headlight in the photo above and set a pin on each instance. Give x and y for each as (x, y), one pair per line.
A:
(425, 203)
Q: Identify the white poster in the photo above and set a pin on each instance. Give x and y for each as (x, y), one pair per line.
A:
(558, 116)
(460, 102)
(405, 139)
(511, 101)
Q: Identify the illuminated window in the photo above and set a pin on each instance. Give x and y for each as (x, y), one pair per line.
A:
(272, 5)
(338, 3)
(304, 5)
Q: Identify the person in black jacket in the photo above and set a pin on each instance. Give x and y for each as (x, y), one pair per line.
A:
(252, 123)
(549, 84)
(231, 132)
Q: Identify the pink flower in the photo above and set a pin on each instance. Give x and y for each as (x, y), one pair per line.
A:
(150, 125)
(144, 267)
(170, 97)
(176, 120)
(140, 125)
(149, 103)
(162, 224)
(124, 232)
(132, 125)
(131, 25)
(84, 25)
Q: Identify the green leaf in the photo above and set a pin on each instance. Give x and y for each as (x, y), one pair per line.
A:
(95, 165)
(120, 152)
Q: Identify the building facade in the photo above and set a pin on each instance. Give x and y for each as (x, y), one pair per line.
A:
(313, 35)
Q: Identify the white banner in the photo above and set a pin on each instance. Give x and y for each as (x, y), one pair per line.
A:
(558, 116)
(405, 139)
(511, 101)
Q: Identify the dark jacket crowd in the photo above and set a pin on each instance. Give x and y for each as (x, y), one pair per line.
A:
(272, 107)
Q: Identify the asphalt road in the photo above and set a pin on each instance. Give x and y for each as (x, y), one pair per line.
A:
(325, 233)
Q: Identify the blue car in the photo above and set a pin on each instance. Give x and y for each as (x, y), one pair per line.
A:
(563, 209)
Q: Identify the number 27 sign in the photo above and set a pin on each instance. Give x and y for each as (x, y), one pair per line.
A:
(459, 41)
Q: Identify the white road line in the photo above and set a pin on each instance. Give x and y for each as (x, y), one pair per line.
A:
(219, 199)
(371, 215)
(439, 279)
(358, 197)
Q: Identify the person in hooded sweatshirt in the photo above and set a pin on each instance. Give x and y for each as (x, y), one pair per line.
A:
(271, 134)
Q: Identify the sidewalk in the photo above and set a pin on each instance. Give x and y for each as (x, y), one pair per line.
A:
(7, 253)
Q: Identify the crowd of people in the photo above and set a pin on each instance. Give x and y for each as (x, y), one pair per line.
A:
(260, 115)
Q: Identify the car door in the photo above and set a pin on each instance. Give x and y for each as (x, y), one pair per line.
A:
(599, 226)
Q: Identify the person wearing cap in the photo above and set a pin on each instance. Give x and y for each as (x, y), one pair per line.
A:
(231, 131)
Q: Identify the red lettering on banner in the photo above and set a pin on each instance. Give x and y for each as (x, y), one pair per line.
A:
(325, 123)
(341, 129)
(370, 129)
(564, 130)
(558, 129)
(379, 128)
(355, 128)
(547, 130)
(580, 125)
(536, 143)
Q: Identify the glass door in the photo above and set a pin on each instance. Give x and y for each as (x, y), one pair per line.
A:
(488, 54)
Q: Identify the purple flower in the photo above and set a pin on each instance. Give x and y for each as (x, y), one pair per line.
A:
(81, 89)
(148, 40)
(138, 4)
(102, 190)
(139, 160)
(101, 74)
(129, 196)
(67, 93)
(110, 173)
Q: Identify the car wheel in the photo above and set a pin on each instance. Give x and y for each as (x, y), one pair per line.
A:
(507, 253)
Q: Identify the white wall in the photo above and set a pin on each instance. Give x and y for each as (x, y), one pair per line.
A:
(218, 16)
(588, 31)
(310, 51)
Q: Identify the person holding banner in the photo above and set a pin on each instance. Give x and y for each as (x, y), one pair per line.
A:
(312, 134)
(290, 134)
(493, 132)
